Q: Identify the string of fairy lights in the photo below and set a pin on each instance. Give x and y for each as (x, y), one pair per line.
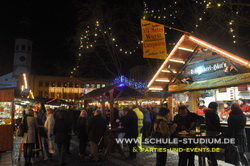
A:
(89, 37)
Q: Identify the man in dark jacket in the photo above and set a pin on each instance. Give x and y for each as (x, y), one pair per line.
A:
(212, 124)
(61, 132)
(185, 120)
(96, 129)
(130, 123)
(82, 132)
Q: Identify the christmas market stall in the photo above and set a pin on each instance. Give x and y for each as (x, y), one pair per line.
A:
(197, 73)
(6, 118)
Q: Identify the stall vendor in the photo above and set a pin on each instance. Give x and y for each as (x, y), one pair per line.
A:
(244, 107)
(201, 108)
(224, 113)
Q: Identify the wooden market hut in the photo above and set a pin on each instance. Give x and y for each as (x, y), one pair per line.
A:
(111, 94)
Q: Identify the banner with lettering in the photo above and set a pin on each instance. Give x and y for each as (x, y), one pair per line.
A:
(212, 83)
(153, 37)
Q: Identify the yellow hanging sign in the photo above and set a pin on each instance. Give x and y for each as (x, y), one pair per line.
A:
(153, 37)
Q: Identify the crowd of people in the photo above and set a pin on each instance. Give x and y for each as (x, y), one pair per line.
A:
(138, 122)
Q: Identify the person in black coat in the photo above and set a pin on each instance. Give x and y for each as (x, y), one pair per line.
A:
(186, 120)
(61, 131)
(236, 129)
(212, 124)
(130, 123)
(96, 129)
(82, 132)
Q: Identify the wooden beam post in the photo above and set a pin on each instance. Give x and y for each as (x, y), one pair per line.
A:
(111, 101)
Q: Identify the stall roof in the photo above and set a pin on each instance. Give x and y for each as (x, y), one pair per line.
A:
(181, 55)
(121, 91)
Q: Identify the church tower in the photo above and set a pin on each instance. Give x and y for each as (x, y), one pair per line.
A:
(23, 50)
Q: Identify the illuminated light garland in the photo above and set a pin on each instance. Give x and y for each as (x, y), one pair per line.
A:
(166, 61)
(162, 80)
(220, 51)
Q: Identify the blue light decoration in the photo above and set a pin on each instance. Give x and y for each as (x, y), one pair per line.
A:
(122, 81)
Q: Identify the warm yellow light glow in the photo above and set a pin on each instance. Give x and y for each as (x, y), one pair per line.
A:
(167, 71)
(155, 88)
(220, 51)
(177, 61)
(162, 80)
(166, 61)
(25, 81)
(22, 88)
(186, 49)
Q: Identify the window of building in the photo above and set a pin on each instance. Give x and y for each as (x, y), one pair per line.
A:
(53, 84)
(65, 95)
(59, 95)
(70, 84)
(98, 85)
(47, 84)
(87, 85)
(46, 94)
(40, 83)
(52, 95)
(103, 85)
(65, 84)
(23, 47)
(40, 93)
(59, 84)
(92, 85)
(71, 95)
(17, 47)
(82, 85)
(76, 95)
(76, 85)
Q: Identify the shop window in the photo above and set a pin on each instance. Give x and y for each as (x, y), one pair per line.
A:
(76, 95)
(98, 85)
(59, 84)
(65, 95)
(23, 47)
(82, 85)
(53, 84)
(52, 95)
(103, 85)
(59, 95)
(40, 83)
(76, 85)
(46, 84)
(70, 95)
(40, 93)
(46, 94)
(92, 85)
(87, 85)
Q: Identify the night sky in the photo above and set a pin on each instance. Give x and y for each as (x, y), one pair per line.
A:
(55, 33)
(52, 31)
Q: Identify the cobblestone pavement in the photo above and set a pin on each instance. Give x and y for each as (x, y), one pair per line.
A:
(143, 158)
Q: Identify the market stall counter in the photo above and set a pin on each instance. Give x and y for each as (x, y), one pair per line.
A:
(6, 119)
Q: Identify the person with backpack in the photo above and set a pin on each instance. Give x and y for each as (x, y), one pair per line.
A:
(162, 130)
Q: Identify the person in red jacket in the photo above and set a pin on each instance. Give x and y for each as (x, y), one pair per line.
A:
(201, 108)
(224, 113)
(244, 107)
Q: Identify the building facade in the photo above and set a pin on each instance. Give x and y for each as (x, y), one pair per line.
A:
(65, 88)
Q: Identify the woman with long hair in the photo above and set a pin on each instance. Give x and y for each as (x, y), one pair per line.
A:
(29, 137)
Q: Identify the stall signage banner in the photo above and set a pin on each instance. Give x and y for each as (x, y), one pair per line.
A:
(208, 68)
(153, 40)
(212, 83)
